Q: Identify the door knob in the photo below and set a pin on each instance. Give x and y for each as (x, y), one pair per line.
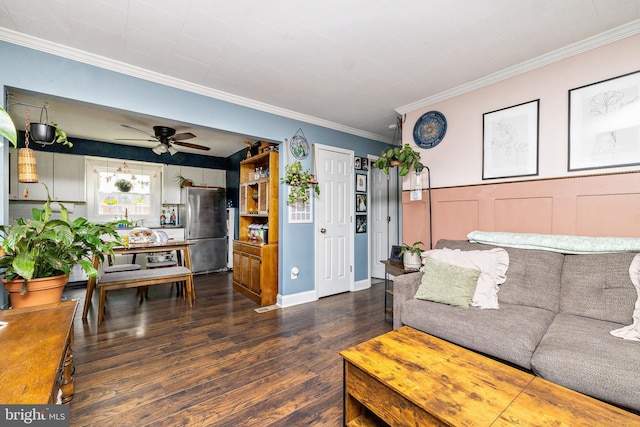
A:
(323, 230)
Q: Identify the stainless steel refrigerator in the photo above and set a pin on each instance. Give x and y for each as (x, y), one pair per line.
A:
(204, 216)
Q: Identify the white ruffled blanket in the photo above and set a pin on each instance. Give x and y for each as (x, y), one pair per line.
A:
(632, 332)
(575, 245)
(557, 242)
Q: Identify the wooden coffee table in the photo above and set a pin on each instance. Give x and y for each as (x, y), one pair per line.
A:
(409, 378)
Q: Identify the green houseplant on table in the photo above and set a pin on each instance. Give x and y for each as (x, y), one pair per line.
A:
(299, 181)
(46, 248)
(411, 255)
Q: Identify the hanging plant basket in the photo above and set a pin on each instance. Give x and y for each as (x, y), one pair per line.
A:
(43, 133)
(123, 185)
(299, 181)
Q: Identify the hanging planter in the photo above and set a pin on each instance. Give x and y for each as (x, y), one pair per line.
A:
(123, 185)
(43, 133)
(403, 157)
(299, 181)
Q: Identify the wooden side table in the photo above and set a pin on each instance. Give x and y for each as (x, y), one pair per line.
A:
(393, 269)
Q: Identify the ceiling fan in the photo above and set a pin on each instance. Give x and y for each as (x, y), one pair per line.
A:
(167, 138)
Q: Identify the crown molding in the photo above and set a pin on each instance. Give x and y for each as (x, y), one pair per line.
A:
(36, 43)
(619, 33)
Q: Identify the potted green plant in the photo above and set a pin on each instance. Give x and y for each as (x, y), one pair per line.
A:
(300, 181)
(37, 251)
(123, 185)
(404, 157)
(7, 128)
(182, 181)
(411, 255)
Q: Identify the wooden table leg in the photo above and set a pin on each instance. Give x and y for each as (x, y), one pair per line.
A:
(187, 263)
(91, 284)
(67, 387)
(103, 297)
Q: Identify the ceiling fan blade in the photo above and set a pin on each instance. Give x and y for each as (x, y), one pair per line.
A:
(183, 136)
(145, 132)
(191, 145)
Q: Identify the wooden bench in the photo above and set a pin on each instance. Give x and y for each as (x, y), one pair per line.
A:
(137, 278)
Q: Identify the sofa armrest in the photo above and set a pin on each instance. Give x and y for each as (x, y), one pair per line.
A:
(405, 287)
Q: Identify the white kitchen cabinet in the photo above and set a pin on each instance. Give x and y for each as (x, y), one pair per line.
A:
(205, 177)
(68, 178)
(194, 174)
(62, 173)
(170, 188)
(214, 177)
(174, 233)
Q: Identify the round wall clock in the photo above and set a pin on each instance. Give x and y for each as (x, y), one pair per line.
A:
(430, 129)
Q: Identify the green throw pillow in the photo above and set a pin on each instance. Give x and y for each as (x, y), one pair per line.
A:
(447, 283)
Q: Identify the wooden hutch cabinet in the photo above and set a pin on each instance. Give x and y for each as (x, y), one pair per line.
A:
(255, 253)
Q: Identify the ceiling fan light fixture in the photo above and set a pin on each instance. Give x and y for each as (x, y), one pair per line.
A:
(172, 150)
(159, 149)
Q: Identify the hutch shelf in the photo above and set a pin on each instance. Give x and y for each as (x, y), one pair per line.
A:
(255, 253)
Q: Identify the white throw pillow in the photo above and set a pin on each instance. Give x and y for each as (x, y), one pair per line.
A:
(632, 332)
(492, 263)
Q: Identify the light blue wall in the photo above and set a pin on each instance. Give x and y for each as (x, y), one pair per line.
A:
(41, 72)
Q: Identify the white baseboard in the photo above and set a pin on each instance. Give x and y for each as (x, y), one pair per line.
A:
(310, 296)
(296, 299)
(362, 284)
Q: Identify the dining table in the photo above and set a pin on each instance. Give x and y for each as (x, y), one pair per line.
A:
(181, 246)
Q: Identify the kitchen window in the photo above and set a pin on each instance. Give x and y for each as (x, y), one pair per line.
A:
(123, 189)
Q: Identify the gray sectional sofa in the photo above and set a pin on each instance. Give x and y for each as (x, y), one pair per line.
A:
(554, 318)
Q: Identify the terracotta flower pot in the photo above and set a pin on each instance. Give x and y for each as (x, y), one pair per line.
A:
(395, 163)
(45, 290)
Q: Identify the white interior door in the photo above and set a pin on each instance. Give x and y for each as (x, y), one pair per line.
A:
(334, 225)
(383, 218)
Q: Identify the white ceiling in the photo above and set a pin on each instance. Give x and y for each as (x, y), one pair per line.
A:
(347, 64)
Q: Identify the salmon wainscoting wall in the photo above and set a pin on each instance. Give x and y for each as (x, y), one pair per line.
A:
(597, 205)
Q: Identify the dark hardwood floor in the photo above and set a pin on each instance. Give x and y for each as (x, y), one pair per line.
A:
(219, 363)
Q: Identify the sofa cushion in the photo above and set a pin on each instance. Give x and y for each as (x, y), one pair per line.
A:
(599, 287)
(533, 278)
(493, 265)
(447, 283)
(511, 333)
(578, 353)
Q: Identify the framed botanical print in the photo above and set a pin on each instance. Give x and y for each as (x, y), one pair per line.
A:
(604, 124)
(510, 141)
